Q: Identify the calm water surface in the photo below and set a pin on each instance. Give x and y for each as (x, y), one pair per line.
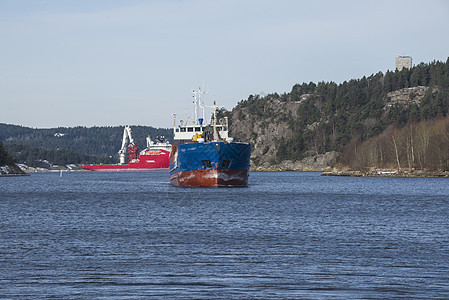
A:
(131, 235)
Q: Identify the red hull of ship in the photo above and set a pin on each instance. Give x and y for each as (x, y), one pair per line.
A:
(145, 163)
(211, 177)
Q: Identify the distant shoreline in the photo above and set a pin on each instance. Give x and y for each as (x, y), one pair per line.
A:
(384, 173)
(14, 175)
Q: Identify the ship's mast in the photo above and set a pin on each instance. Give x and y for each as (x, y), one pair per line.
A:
(215, 123)
(197, 101)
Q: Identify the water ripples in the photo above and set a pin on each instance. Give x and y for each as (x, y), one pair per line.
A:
(288, 235)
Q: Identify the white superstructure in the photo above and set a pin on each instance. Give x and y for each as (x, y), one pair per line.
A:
(161, 143)
(197, 129)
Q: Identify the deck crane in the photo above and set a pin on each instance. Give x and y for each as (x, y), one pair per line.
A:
(132, 148)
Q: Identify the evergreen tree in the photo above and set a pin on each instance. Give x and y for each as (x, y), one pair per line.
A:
(5, 157)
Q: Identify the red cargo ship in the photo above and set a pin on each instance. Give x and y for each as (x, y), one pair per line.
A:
(155, 156)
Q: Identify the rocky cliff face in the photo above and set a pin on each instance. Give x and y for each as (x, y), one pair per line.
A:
(406, 96)
(263, 131)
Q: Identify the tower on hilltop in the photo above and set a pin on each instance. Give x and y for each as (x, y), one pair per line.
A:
(403, 62)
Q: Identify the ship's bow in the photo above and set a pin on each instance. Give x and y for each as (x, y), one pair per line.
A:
(211, 164)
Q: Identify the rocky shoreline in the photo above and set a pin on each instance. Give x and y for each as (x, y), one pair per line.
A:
(320, 163)
(327, 163)
(11, 170)
(52, 168)
(24, 170)
(388, 173)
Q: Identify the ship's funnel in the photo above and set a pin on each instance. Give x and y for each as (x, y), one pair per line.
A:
(200, 120)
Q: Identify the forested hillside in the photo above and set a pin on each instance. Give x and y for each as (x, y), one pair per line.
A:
(314, 119)
(5, 157)
(311, 127)
(7, 164)
(71, 145)
(46, 158)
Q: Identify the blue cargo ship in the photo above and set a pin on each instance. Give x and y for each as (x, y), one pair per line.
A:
(204, 154)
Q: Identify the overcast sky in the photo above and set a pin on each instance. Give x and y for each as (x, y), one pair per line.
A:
(96, 63)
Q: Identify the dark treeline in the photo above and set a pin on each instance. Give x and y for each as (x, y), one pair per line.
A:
(332, 115)
(73, 145)
(5, 157)
(45, 158)
(98, 141)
